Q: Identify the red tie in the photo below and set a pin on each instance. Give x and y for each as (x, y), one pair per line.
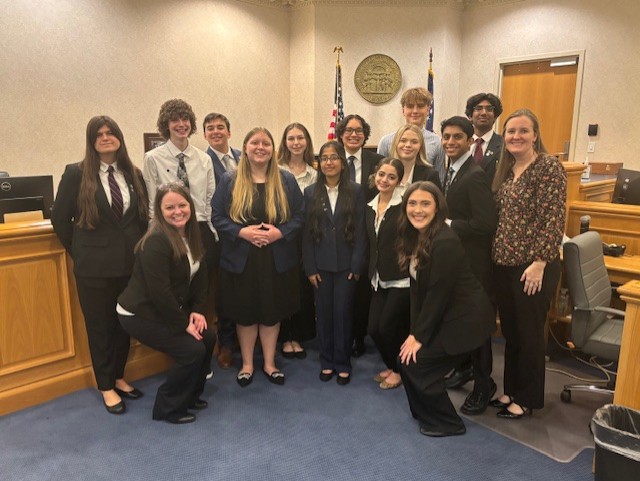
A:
(477, 154)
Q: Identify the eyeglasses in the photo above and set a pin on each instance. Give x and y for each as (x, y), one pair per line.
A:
(350, 131)
(329, 158)
(480, 108)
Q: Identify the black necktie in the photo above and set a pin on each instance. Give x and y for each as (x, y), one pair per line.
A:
(182, 170)
(116, 195)
(352, 168)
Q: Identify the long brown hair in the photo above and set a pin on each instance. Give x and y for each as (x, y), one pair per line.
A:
(411, 242)
(244, 190)
(160, 225)
(507, 160)
(284, 154)
(87, 217)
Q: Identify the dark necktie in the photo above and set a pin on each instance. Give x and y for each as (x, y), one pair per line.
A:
(477, 154)
(182, 170)
(450, 174)
(352, 168)
(116, 195)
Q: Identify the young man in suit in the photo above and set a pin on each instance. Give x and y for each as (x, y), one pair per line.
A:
(217, 131)
(416, 103)
(482, 110)
(352, 132)
(473, 217)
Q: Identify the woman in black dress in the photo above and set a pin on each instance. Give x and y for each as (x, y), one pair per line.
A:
(258, 212)
(100, 212)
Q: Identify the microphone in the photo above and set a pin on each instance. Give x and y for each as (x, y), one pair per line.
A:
(584, 223)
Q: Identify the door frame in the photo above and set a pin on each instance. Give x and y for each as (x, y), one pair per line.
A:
(502, 62)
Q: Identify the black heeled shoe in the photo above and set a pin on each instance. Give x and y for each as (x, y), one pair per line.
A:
(506, 414)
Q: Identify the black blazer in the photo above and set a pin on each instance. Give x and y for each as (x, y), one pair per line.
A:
(333, 253)
(474, 217)
(382, 253)
(107, 250)
(160, 287)
(492, 156)
(448, 302)
(426, 172)
(369, 162)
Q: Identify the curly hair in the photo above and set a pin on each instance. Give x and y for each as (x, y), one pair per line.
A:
(175, 109)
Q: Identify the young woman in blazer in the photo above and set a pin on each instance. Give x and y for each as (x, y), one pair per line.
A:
(451, 314)
(295, 155)
(389, 311)
(258, 212)
(100, 213)
(163, 305)
(333, 247)
(408, 146)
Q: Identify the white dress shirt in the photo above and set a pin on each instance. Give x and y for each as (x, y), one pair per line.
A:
(332, 192)
(120, 180)
(486, 137)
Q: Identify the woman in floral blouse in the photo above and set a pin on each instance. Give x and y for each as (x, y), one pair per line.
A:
(530, 189)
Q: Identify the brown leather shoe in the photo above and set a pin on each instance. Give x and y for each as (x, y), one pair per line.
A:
(224, 358)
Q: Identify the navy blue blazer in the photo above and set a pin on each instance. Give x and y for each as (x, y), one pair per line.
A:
(333, 253)
(235, 250)
(218, 168)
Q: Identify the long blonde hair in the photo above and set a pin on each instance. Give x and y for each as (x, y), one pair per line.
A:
(244, 190)
(421, 158)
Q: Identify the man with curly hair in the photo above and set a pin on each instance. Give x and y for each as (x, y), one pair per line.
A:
(178, 160)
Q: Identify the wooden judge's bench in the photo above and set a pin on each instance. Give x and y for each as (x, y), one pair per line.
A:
(43, 343)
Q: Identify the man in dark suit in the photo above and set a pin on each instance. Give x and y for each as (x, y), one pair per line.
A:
(473, 217)
(482, 110)
(353, 132)
(217, 131)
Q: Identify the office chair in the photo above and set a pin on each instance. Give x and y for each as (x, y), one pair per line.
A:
(594, 329)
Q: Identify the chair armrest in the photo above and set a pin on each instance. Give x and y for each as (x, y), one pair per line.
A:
(609, 310)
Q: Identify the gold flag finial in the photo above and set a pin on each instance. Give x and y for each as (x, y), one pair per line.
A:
(338, 49)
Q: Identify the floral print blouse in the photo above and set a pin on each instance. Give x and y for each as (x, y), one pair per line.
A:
(531, 214)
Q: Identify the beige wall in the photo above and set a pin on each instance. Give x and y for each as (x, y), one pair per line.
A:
(64, 61)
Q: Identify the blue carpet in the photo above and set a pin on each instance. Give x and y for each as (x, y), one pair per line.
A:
(304, 431)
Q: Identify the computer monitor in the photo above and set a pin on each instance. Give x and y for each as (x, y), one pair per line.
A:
(22, 194)
(627, 189)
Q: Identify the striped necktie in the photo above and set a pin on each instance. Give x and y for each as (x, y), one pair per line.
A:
(116, 195)
(450, 173)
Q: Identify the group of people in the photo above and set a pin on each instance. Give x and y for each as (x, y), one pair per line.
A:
(417, 245)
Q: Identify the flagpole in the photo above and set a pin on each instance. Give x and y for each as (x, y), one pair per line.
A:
(337, 113)
(430, 89)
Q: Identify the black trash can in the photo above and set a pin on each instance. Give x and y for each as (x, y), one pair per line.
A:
(616, 431)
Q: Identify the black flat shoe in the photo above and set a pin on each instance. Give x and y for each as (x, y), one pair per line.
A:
(325, 376)
(288, 354)
(506, 414)
(458, 378)
(301, 354)
(477, 402)
(276, 377)
(184, 418)
(199, 404)
(244, 378)
(441, 434)
(133, 394)
(343, 380)
(496, 403)
(119, 408)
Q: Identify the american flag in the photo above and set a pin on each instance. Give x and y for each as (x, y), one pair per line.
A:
(430, 89)
(338, 106)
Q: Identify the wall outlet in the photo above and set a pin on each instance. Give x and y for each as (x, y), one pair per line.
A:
(591, 147)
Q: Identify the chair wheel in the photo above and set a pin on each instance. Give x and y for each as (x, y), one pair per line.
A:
(565, 396)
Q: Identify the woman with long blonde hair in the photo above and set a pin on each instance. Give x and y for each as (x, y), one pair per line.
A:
(258, 212)
(408, 146)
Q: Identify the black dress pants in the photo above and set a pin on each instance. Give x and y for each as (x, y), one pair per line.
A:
(522, 319)
(108, 341)
(423, 382)
(389, 319)
(362, 302)
(192, 360)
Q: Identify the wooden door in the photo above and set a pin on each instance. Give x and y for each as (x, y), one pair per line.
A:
(547, 91)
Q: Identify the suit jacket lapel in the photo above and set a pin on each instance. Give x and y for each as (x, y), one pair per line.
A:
(327, 206)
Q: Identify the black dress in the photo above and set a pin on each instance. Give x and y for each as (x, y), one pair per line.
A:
(259, 295)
